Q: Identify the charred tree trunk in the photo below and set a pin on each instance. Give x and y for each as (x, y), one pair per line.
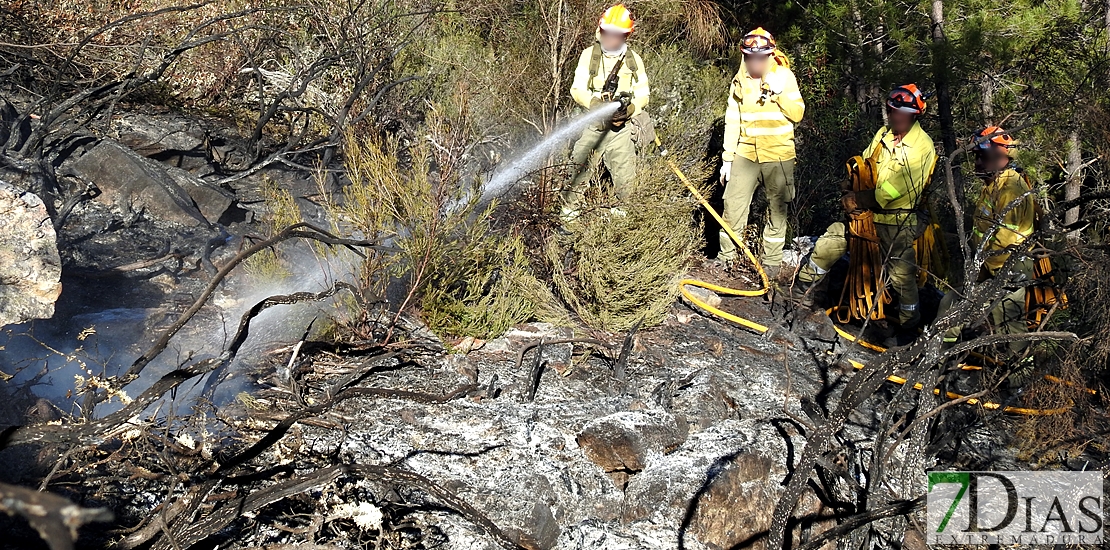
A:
(940, 76)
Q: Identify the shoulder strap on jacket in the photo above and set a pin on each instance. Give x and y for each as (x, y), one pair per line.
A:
(595, 63)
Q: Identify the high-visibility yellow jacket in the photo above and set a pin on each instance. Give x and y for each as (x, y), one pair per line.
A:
(587, 87)
(903, 172)
(1014, 225)
(762, 132)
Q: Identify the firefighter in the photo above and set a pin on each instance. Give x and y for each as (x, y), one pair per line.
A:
(611, 139)
(905, 158)
(1005, 206)
(764, 104)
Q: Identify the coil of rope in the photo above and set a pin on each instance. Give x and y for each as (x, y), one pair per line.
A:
(762, 329)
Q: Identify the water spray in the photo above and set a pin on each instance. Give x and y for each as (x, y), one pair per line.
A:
(505, 177)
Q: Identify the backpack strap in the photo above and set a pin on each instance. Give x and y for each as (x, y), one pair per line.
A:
(780, 58)
(595, 64)
(630, 62)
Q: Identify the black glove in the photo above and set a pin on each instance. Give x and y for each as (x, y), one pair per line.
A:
(624, 113)
(866, 200)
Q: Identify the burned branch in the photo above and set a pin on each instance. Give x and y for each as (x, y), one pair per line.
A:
(55, 518)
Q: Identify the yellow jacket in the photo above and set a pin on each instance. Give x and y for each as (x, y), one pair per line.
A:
(587, 87)
(762, 132)
(903, 172)
(1015, 225)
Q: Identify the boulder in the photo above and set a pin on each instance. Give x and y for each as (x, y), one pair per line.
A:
(624, 441)
(30, 268)
(176, 141)
(720, 487)
(740, 488)
(136, 183)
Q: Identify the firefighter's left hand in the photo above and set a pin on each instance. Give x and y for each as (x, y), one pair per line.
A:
(774, 82)
(624, 113)
(849, 204)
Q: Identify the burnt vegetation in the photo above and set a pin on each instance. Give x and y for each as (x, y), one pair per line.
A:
(396, 112)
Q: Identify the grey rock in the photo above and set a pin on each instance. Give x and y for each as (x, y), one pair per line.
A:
(30, 267)
(172, 140)
(135, 183)
(624, 441)
(705, 295)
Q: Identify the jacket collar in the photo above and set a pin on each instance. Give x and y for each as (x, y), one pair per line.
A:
(912, 139)
(772, 66)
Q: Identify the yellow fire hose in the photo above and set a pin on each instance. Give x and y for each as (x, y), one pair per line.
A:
(843, 333)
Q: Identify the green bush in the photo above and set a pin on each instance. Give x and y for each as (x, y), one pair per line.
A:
(614, 270)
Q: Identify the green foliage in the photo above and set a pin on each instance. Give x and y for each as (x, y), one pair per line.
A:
(283, 212)
(483, 286)
(466, 279)
(615, 269)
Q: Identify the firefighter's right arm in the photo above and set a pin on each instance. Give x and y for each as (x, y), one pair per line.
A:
(580, 87)
(788, 96)
(732, 124)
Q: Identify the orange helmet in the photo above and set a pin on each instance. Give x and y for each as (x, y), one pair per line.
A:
(617, 19)
(998, 138)
(906, 98)
(758, 42)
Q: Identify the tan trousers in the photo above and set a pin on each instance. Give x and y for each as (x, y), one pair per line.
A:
(778, 183)
(616, 149)
(895, 244)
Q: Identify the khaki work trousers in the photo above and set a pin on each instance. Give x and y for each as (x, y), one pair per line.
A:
(613, 147)
(895, 244)
(1008, 316)
(777, 178)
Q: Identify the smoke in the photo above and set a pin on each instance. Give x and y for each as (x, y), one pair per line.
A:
(82, 343)
(57, 356)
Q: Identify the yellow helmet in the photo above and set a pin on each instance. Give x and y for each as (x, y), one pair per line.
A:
(617, 19)
(758, 42)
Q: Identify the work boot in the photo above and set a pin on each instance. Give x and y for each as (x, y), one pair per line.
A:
(901, 337)
(721, 268)
(772, 271)
(808, 293)
(904, 335)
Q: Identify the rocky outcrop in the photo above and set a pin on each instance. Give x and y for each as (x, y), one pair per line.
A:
(136, 184)
(688, 452)
(30, 268)
(624, 441)
(176, 141)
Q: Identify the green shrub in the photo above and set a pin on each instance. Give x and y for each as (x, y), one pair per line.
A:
(615, 270)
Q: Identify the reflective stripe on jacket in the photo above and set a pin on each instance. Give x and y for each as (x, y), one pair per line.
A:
(903, 172)
(762, 131)
(1015, 225)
